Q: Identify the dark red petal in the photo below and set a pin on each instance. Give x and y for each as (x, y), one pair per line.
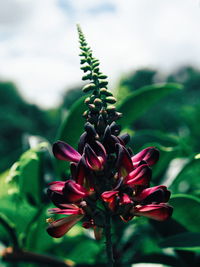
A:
(99, 149)
(60, 227)
(140, 176)
(125, 199)
(73, 192)
(159, 212)
(57, 186)
(81, 171)
(65, 211)
(108, 196)
(56, 198)
(63, 151)
(124, 163)
(153, 194)
(92, 160)
(149, 154)
(82, 142)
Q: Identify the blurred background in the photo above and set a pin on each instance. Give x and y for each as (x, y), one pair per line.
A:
(139, 43)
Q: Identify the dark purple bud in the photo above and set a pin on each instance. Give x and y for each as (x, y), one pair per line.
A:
(63, 151)
(124, 163)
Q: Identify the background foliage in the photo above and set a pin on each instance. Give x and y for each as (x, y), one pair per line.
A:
(163, 114)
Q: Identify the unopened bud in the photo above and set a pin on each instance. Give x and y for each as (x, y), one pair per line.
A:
(85, 114)
(103, 83)
(96, 64)
(86, 68)
(86, 77)
(110, 108)
(89, 87)
(110, 99)
(87, 100)
(92, 107)
(97, 102)
(102, 76)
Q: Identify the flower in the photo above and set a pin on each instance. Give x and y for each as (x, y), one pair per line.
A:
(132, 196)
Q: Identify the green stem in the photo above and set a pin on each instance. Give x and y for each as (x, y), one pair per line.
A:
(109, 250)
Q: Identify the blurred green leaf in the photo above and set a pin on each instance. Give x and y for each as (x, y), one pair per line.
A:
(183, 241)
(186, 211)
(72, 126)
(28, 173)
(71, 129)
(139, 101)
(187, 181)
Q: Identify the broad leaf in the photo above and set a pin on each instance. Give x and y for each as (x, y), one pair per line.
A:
(141, 100)
(183, 241)
(187, 180)
(186, 211)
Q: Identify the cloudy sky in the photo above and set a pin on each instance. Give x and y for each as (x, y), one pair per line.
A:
(39, 47)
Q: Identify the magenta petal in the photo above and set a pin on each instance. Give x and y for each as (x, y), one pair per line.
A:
(73, 192)
(108, 196)
(63, 151)
(60, 227)
(124, 163)
(159, 212)
(65, 211)
(149, 154)
(57, 186)
(92, 160)
(140, 176)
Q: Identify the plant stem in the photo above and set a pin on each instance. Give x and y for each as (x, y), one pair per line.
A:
(109, 250)
(11, 255)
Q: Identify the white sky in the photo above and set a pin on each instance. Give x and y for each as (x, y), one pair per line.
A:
(39, 44)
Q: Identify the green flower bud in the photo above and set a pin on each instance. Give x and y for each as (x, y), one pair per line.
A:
(85, 113)
(88, 87)
(86, 77)
(104, 91)
(102, 76)
(86, 68)
(110, 99)
(83, 61)
(103, 83)
(92, 107)
(96, 70)
(97, 102)
(87, 100)
(110, 108)
(96, 64)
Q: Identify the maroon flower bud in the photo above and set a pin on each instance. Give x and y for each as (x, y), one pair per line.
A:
(141, 176)
(149, 154)
(159, 212)
(74, 192)
(124, 163)
(95, 159)
(156, 194)
(63, 151)
(60, 227)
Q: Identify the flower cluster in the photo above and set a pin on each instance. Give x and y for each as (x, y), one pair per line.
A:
(106, 177)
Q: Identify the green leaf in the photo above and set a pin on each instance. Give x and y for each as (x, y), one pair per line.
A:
(184, 241)
(72, 126)
(141, 100)
(27, 172)
(187, 181)
(186, 211)
(71, 129)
